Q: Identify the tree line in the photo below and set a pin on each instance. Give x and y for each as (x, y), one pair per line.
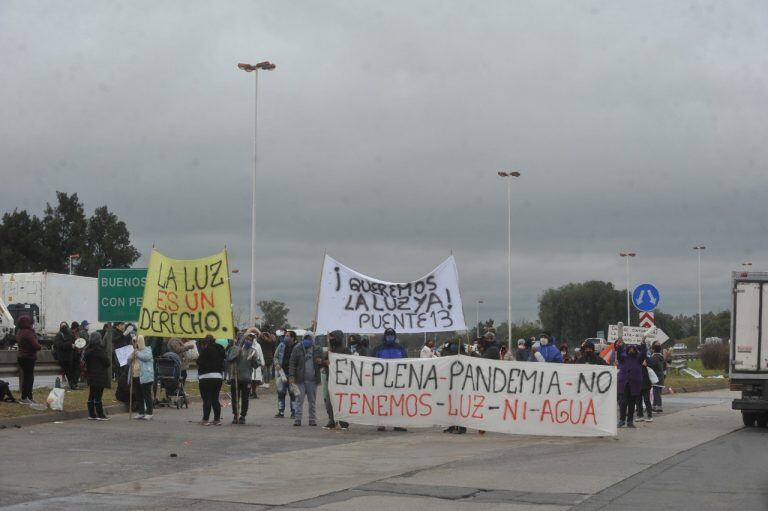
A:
(29, 243)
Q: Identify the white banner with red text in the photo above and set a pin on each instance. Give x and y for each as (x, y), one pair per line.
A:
(522, 398)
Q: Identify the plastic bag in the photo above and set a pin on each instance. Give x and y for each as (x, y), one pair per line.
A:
(191, 354)
(652, 375)
(56, 399)
(280, 376)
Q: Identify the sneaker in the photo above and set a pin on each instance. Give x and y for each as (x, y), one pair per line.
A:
(640, 419)
(345, 428)
(102, 418)
(138, 416)
(649, 419)
(91, 418)
(234, 420)
(381, 428)
(403, 429)
(313, 423)
(279, 415)
(631, 424)
(297, 423)
(241, 420)
(147, 417)
(217, 422)
(264, 386)
(621, 424)
(330, 425)
(658, 410)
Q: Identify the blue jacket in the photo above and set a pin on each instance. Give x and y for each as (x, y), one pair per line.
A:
(146, 366)
(551, 353)
(385, 350)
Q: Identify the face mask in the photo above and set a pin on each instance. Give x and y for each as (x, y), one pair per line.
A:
(389, 339)
(563, 352)
(633, 354)
(543, 341)
(307, 343)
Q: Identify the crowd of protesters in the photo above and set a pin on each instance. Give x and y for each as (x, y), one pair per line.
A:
(299, 366)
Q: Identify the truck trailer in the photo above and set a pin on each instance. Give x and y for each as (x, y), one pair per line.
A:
(749, 346)
(50, 298)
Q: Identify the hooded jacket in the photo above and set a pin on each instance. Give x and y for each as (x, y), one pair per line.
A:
(243, 358)
(26, 339)
(63, 344)
(298, 361)
(631, 369)
(338, 347)
(491, 351)
(550, 352)
(390, 350)
(96, 361)
(142, 357)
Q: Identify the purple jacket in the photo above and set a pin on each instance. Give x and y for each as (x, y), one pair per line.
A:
(631, 369)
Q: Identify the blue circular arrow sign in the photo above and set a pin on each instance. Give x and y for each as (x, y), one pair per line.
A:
(646, 297)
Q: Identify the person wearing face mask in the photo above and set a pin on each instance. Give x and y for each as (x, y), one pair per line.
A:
(304, 372)
(564, 353)
(282, 365)
(659, 366)
(142, 373)
(549, 351)
(588, 355)
(390, 349)
(64, 350)
(335, 345)
(630, 379)
(243, 358)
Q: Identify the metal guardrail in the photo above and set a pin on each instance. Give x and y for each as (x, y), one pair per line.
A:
(45, 363)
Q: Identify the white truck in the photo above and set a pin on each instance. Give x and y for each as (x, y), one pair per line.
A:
(749, 346)
(50, 298)
(7, 326)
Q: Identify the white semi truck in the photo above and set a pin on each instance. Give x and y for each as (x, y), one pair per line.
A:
(749, 346)
(50, 298)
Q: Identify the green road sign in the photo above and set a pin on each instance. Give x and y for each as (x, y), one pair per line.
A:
(120, 293)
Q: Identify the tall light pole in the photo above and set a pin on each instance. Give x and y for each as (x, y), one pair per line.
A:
(627, 255)
(477, 317)
(509, 253)
(267, 66)
(699, 249)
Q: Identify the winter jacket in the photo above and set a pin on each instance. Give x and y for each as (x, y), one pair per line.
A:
(390, 351)
(267, 342)
(551, 353)
(593, 359)
(631, 369)
(179, 347)
(97, 362)
(283, 354)
(659, 365)
(26, 339)
(491, 351)
(338, 348)
(522, 355)
(298, 358)
(211, 359)
(64, 345)
(143, 355)
(242, 359)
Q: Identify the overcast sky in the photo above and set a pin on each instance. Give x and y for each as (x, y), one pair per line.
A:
(636, 125)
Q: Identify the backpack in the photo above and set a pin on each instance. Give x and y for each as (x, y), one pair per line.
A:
(5, 392)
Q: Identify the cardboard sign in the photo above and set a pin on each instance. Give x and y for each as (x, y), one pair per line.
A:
(354, 303)
(187, 298)
(634, 334)
(493, 395)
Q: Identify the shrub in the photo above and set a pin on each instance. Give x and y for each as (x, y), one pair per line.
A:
(715, 356)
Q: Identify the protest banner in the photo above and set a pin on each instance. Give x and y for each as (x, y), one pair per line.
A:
(492, 395)
(187, 298)
(635, 334)
(356, 303)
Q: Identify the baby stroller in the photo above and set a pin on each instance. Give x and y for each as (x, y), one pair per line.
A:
(168, 378)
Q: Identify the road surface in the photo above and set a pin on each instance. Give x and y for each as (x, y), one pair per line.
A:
(695, 456)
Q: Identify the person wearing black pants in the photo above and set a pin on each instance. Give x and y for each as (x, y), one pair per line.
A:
(97, 374)
(26, 339)
(210, 368)
(242, 358)
(630, 379)
(645, 397)
(627, 406)
(143, 374)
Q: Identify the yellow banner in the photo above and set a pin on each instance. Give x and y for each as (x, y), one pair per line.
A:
(187, 298)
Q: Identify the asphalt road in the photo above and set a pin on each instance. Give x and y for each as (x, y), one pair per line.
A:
(695, 456)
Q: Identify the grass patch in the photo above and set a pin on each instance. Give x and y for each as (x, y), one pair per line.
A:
(674, 379)
(74, 400)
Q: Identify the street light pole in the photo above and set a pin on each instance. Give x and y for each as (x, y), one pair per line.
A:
(267, 66)
(699, 249)
(509, 254)
(627, 255)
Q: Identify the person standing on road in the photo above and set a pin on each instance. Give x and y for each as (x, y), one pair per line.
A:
(97, 375)
(390, 349)
(335, 345)
(659, 365)
(588, 355)
(243, 358)
(548, 350)
(304, 372)
(142, 374)
(26, 340)
(645, 396)
(210, 370)
(64, 350)
(282, 366)
(630, 379)
(428, 350)
(268, 342)
(180, 347)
